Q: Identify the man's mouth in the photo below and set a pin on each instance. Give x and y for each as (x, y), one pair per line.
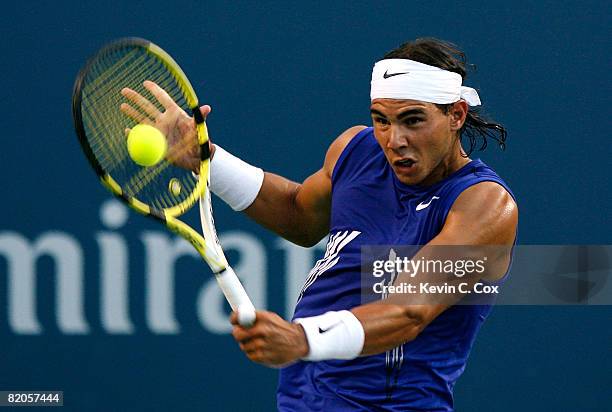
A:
(404, 163)
(405, 166)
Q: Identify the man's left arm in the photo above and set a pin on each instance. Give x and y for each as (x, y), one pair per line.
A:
(484, 214)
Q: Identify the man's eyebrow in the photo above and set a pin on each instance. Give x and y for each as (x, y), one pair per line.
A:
(409, 113)
(401, 115)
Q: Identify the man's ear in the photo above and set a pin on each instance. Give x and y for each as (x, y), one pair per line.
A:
(458, 114)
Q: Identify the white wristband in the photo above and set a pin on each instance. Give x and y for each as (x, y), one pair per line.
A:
(235, 181)
(333, 335)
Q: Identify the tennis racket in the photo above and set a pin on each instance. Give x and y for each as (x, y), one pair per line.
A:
(132, 81)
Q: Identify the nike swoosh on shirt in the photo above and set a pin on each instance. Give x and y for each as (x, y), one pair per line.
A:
(422, 205)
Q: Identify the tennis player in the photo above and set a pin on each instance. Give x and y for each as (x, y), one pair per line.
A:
(407, 180)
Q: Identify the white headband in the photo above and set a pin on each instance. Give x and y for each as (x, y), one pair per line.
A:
(407, 79)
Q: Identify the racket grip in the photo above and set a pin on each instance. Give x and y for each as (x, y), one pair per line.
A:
(236, 296)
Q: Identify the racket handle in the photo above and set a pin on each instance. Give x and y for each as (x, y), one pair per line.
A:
(236, 296)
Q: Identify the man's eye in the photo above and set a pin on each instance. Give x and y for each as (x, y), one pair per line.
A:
(412, 121)
(381, 120)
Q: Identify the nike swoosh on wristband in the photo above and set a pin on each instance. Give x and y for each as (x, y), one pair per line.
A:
(328, 328)
(387, 75)
(422, 205)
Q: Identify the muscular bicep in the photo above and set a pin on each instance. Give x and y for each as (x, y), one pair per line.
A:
(313, 203)
(483, 219)
(481, 225)
(483, 214)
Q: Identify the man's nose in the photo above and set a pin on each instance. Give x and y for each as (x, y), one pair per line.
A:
(397, 139)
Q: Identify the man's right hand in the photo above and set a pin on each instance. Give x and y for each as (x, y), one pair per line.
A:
(178, 126)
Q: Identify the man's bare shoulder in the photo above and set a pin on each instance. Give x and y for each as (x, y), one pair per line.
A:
(337, 147)
(487, 212)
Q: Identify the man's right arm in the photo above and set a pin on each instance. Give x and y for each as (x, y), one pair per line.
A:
(297, 212)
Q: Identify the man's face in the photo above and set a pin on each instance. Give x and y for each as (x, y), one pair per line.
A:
(418, 139)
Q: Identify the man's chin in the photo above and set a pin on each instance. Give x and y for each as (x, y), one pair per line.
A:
(410, 181)
(408, 175)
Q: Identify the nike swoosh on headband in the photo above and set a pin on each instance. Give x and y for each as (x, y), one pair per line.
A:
(387, 75)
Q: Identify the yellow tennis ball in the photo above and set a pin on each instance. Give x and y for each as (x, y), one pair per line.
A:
(146, 145)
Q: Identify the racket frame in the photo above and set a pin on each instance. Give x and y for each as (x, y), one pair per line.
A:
(208, 246)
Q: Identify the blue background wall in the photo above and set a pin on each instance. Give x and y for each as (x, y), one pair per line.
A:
(283, 82)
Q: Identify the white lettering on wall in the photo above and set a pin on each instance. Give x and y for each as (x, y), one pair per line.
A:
(114, 272)
(112, 281)
(21, 257)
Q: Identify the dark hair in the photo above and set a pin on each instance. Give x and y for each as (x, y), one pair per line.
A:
(447, 56)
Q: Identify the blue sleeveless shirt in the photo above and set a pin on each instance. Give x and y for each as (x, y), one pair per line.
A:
(370, 206)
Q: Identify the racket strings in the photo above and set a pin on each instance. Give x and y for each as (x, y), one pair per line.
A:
(105, 125)
(145, 176)
(103, 89)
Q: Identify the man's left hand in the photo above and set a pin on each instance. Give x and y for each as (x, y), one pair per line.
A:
(271, 341)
